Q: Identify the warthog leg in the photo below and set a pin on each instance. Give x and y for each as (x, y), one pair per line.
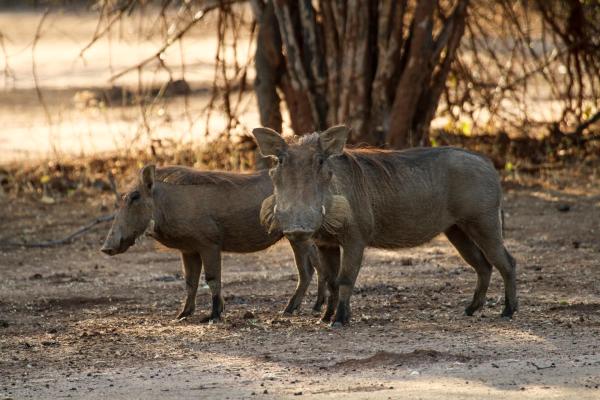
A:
(211, 258)
(329, 262)
(351, 262)
(316, 262)
(192, 266)
(304, 255)
(487, 233)
(321, 292)
(475, 258)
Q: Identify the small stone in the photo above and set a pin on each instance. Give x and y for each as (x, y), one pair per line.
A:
(298, 394)
(249, 315)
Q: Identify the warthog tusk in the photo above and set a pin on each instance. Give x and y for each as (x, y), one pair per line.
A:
(275, 209)
(150, 228)
(323, 210)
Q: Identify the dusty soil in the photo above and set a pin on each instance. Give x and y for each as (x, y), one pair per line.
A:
(76, 323)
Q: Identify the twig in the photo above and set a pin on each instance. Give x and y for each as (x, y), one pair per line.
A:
(66, 240)
(584, 125)
(97, 33)
(7, 72)
(40, 96)
(113, 187)
(542, 367)
(170, 41)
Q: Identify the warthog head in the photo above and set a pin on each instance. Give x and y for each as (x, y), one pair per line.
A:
(133, 216)
(302, 200)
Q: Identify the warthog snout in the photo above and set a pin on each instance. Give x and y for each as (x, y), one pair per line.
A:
(115, 244)
(108, 250)
(297, 234)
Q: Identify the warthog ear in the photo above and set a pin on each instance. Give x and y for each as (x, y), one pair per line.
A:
(270, 143)
(147, 176)
(333, 140)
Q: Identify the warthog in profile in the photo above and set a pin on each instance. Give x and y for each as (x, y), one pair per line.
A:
(202, 214)
(386, 199)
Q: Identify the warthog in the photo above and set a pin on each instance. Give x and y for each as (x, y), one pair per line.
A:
(386, 199)
(202, 214)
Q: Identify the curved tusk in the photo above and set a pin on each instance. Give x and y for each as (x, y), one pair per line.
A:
(275, 209)
(323, 210)
(150, 229)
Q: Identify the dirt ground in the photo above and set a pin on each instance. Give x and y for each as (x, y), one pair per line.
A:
(77, 323)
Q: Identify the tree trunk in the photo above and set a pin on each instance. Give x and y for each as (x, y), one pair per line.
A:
(378, 66)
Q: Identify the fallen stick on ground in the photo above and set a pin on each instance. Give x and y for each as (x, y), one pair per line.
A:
(66, 240)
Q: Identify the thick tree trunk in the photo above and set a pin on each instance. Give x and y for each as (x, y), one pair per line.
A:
(376, 65)
(413, 78)
(268, 63)
(424, 77)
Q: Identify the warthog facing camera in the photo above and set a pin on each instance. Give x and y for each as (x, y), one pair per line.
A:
(386, 199)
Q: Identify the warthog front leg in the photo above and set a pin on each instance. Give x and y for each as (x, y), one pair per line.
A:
(192, 267)
(329, 269)
(305, 255)
(212, 271)
(351, 263)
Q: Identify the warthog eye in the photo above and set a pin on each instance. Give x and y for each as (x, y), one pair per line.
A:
(320, 160)
(134, 196)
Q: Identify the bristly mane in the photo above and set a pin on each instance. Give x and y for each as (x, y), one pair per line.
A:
(358, 158)
(178, 175)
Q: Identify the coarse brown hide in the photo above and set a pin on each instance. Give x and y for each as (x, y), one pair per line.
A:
(387, 199)
(201, 214)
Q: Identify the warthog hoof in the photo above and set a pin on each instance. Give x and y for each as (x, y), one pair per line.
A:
(287, 313)
(319, 303)
(509, 309)
(291, 308)
(507, 313)
(184, 314)
(342, 314)
(210, 319)
(336, 325)
(327, 316)
(470, 310)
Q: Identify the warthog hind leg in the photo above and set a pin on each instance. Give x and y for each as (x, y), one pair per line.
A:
(475, 258)
(487, 233)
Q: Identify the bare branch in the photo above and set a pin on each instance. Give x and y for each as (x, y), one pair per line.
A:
(66, 240)
(38, 33)
(208, 6)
